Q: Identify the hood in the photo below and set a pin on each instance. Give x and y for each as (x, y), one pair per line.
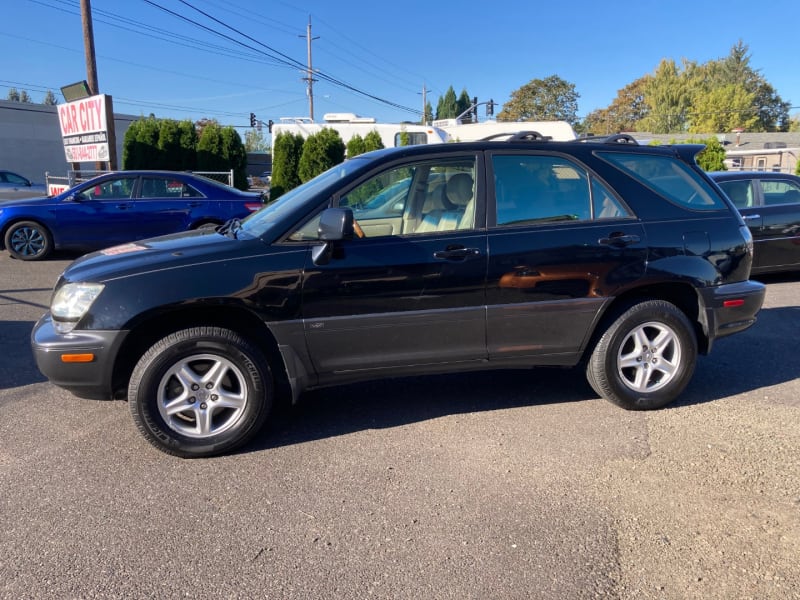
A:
(26, 201)
(170, 251)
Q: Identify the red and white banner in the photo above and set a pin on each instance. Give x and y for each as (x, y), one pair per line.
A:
(84, 129)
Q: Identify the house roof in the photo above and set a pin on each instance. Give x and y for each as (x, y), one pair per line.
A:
(746, 140)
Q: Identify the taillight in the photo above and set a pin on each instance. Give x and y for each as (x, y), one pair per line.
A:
(253, 206)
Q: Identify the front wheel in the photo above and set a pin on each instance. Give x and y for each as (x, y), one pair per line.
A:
(28, 240)
(200, 392)
(645, 358)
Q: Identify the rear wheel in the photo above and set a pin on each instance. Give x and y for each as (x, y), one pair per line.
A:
(28, 240)
(645, 358)
(200, 392)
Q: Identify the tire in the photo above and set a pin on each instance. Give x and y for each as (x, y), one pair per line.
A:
(200, 392)
(645, 358)
(28, 240)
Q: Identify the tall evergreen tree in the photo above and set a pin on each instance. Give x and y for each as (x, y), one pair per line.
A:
(286, 151)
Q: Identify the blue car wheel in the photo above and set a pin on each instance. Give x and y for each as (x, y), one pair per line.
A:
(28, 240)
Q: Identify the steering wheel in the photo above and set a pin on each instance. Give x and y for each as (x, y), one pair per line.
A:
(357, 229)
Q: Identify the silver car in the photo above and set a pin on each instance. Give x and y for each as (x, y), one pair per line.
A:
(13, 185)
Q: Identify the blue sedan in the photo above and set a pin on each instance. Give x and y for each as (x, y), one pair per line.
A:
(119, 207)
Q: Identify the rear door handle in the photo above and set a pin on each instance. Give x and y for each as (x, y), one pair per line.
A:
(619, 239)
(456, 253)
(751, 217)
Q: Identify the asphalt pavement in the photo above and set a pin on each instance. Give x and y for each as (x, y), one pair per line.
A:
(510, 484)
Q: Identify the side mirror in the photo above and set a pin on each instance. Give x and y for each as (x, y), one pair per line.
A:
(334, 224)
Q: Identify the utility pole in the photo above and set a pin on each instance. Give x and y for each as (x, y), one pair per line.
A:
(309, 78)
(425, 105)
(94, 88)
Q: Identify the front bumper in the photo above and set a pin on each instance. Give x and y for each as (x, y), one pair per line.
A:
(731, 308)
(92, 379)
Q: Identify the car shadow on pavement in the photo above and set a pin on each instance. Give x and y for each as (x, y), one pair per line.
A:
(18, 367)
(765, 355)
(388, 403)
(737, 365)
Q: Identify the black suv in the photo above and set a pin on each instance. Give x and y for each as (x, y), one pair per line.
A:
(424, 259)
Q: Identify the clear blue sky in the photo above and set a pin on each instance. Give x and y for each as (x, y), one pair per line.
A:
(152, 61)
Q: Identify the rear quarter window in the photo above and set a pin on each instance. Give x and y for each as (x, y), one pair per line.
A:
(669, 177)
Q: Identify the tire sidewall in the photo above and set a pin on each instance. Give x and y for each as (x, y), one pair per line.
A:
(144, 385)
(607, 353)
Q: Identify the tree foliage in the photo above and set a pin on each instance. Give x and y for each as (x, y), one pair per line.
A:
(255, 141)
(321, 151)
(447, 107)
(50, 99)
(715, 96)
(373, 141)
(356, 146)
(551, 98)
(286, 151)
(167, 144)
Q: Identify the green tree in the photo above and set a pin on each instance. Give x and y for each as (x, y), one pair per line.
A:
(447, 107)
(551, 98)
(169, 145)
(286, 151)
(129, 147)
(356, 146)
(221, 149)
(722, 109)
(462, 104)
(25, 97)
(13, 94)
(668, 99)
(321, 151)
(373, 141)
(255, 141)
(188, 143)
(624, 112)
(50, 98)
(428, 116)
(140, 145)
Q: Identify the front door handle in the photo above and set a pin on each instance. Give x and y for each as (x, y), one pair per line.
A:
(459, 253)
(751, 217)
(619, 239)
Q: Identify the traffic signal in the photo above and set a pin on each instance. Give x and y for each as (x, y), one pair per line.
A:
(252, 119)
(490, 108)
(475, 109)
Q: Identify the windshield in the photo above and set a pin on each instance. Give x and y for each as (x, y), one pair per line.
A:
(307, 195)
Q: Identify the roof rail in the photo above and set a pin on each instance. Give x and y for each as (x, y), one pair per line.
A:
(520, 136)
(617, 138)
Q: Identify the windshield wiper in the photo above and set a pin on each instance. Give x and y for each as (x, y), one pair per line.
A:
(231, 228)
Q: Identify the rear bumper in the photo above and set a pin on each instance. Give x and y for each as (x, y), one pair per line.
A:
(92, 379)
(731, 308)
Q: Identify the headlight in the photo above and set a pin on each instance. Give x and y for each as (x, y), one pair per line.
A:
(71, 302)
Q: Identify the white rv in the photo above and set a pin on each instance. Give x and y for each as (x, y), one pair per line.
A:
(348, 125)
(470, 132)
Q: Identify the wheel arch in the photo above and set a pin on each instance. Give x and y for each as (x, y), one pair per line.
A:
(682, 295)
(147, 332)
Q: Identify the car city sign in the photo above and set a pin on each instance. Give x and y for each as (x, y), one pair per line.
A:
(84, 129)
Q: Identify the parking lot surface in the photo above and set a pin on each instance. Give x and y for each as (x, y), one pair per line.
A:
(510, 484)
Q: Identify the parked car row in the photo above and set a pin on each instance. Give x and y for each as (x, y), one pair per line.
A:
(119, 207)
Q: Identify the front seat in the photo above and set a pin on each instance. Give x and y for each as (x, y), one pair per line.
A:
(459, 194)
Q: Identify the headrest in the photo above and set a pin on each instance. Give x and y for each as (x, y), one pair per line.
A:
(459, 189)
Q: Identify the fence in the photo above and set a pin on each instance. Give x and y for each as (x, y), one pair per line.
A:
(57, 184)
